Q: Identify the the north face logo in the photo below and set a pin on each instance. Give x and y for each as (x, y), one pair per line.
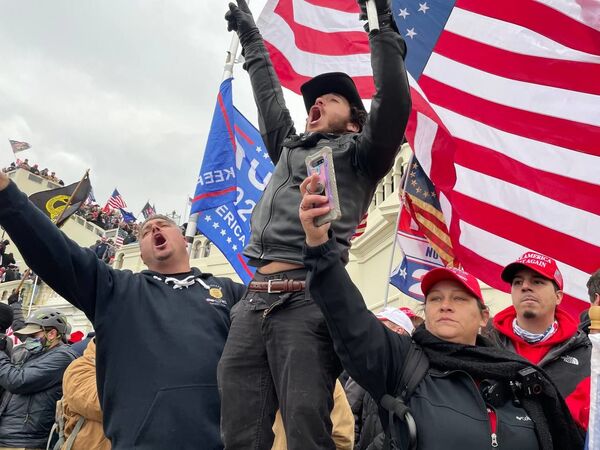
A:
(570, 360)
(523, 418)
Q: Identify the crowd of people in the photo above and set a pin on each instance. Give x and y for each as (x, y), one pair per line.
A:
(33, 168)
(95, 214)
(183, 359)
(107, 220)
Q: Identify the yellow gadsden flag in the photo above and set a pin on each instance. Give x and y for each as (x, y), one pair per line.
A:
(53, 202)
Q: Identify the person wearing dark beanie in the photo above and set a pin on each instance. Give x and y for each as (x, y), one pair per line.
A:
(6, 317)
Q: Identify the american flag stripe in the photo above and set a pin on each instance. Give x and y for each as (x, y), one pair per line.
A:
(500, 35)
(120, 237)
(361, 228)
(559, 74)
(553, 22)
(556, 187)
(291, 27)
(116, 203)
(505, 119)
(483, 102)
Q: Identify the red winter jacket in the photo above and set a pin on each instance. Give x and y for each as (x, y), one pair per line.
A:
(565, 356)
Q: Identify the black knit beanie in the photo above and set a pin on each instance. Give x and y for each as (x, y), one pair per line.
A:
(6, 317)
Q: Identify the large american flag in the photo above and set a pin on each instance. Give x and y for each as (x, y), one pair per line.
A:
(505, 121)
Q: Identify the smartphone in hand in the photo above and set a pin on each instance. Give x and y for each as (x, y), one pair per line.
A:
(321, 163)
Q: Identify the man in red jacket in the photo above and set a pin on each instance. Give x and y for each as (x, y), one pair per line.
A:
(536, 328)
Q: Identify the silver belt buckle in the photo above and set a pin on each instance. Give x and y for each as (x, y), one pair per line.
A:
(270, 289)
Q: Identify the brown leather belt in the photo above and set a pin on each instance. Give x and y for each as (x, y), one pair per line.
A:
(277, 286)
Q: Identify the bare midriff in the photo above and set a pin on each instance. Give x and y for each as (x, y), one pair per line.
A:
(278, 266)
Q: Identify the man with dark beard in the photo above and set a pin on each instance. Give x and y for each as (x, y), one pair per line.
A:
(279, 352)
(537, 328)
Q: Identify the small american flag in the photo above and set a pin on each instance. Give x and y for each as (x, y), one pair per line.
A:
(115, 202)
(121, 235)
(18, 146)
(422, 202)
(361, 228)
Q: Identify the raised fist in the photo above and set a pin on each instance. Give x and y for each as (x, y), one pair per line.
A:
(239, 19)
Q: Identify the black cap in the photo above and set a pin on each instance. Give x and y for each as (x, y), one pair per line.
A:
(328, 83)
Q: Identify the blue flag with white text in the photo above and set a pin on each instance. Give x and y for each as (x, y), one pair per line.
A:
(234, 172)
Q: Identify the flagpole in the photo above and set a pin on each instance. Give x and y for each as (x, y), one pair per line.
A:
(35, 283)
(23, 278)
(192, 225)
(394, 245)
(62, 213)
(13, 152)
(33, 289)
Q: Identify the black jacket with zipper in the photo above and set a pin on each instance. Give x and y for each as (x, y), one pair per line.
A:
(368, 432)
(448, 408)
(31, 390)
(360, 159)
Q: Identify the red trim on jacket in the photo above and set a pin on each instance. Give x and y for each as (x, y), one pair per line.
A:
(567, 327)
(578, 400)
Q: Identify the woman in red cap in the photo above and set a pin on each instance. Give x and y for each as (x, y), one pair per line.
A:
(471, 396)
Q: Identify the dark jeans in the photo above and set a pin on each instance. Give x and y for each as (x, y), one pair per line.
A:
(278, 353)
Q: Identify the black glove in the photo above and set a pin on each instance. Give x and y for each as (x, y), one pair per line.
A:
(383, 7)
(239, 19)
(13, 298)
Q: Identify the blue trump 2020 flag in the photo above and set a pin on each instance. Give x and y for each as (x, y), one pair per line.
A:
(234, 172)
(419, 257)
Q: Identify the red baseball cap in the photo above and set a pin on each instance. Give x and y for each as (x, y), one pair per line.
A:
(468, 281)
(537, 262)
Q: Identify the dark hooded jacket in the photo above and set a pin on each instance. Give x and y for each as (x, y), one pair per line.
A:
(31, 390)
(565, 357)
(368, 431)
(360, 159)
(160, 336)
(448, 408)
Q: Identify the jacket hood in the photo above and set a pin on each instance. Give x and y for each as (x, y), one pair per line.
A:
(567, 326)
(193, 271)
(90, 350)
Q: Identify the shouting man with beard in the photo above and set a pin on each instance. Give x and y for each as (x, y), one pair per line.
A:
(537, 328)
(279, 352)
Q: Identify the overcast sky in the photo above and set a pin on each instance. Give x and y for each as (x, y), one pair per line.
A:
(125, 88)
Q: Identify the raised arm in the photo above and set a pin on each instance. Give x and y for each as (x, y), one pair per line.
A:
(274, 119)
(370, 353)
(73, 272)
(382, 135)
(35, 377)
